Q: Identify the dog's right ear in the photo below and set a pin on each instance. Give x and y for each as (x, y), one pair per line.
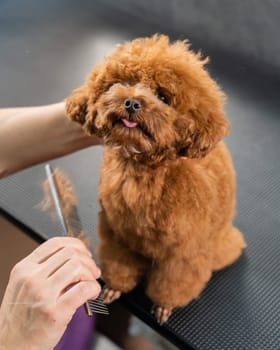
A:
(77, 105)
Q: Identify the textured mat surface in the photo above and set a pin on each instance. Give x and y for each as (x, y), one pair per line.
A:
(240, 308)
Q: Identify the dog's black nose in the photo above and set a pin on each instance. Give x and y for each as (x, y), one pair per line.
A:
(132, 105)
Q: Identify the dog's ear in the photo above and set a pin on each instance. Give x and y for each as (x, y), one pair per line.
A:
(77, 105)
(80, 105)
(201, 130)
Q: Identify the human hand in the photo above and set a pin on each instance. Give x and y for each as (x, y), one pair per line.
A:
(38, 303)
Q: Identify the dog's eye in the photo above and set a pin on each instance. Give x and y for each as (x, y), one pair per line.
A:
(163, 97)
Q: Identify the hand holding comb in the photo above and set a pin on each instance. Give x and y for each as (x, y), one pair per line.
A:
(71, 226)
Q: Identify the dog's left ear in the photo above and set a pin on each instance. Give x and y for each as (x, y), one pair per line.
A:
(201, 130)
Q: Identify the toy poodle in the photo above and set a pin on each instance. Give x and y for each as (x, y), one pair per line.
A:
(167, 184)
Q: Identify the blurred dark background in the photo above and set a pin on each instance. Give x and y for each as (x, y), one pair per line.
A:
(47, 47)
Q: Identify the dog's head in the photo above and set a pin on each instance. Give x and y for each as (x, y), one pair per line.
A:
(152, 100)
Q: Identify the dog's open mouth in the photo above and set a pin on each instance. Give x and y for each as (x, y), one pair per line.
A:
(128, 123)
(131, 125)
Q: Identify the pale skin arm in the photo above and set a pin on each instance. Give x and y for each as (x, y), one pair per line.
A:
(31, 135)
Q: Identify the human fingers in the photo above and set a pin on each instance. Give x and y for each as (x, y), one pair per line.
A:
(58, 259)
(27, 271)
(53, 245)
(73, 271)
(79, 294)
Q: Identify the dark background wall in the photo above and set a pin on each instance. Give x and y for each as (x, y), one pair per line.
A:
(47, 47)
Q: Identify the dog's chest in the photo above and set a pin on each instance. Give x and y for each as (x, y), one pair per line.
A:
(132, 202)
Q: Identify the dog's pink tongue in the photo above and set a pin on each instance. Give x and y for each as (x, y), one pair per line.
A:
(129, 124)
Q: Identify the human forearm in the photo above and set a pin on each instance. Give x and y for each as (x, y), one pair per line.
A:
(31, 135)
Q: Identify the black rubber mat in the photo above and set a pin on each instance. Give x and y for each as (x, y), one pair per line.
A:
(240, 308)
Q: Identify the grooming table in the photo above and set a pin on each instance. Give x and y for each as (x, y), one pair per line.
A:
(41, 63)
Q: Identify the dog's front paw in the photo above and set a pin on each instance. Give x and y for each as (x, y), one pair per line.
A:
(108, 295)
(161, 313)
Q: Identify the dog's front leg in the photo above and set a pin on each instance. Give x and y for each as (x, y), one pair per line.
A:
(121, 268)
(175, 281)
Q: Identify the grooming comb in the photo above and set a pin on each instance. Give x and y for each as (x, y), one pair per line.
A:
(97, 305)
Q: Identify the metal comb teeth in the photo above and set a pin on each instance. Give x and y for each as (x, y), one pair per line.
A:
(98, 306)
